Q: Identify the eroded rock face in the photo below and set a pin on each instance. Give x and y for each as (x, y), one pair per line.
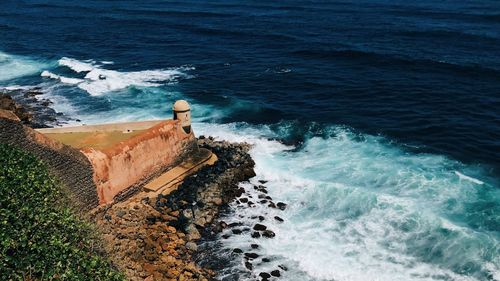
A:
(7, 103)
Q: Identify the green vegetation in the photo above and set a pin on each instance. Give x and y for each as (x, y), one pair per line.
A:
(41, 238)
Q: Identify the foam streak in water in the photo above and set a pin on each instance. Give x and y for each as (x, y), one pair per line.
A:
(471, 179)
(98, 80)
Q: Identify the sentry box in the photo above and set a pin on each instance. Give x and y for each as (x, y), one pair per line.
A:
(182, 112)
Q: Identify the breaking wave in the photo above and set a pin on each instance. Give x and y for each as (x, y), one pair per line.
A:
(13, 66)
(98, 80)
(362, 208)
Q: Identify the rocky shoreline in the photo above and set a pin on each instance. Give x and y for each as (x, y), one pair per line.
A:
(159, 238)
(155, 238)
(31, 108)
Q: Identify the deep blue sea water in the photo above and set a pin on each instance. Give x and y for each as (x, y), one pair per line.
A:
(378, 122)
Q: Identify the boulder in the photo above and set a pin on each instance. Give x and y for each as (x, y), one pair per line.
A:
(268, 234)
(259, 227)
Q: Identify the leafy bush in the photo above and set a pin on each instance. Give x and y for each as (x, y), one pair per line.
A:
(41, 238)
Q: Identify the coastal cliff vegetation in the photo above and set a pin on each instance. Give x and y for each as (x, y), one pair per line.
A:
(41, 237)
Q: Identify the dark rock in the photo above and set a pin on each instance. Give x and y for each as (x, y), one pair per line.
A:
(272, 205)
(225, 236)
(237, 231)
(251, 255)
(263, 201)
(234, 224)
(243, 200)
(268, 234)
(261, 218)
(220, 226)
(278, 219)
(265, 260)
(30, 94)
(237, 250)
(265, 275)
(262, 181)
(255, 234)
(239, 192)
(283, 267)
(254, 246)
(281, 205)
(259, 227)
(275, 273)
(151, 219)
(180, 224)
(46, 103)
(248, 265)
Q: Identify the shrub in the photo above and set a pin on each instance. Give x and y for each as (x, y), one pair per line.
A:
(41, 238)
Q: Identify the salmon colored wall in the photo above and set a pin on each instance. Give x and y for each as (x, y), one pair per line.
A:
(119, 167)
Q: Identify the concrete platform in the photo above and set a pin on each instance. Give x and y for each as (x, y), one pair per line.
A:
(169, 180)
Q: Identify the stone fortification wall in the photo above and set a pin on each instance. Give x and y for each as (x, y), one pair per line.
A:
(123, 165)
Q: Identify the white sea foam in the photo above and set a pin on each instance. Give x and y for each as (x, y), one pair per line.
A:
(76, 65)
(471, 179)
(358, 210)
(12, 66)
(98, 80)
(65, 80)
(17, 87)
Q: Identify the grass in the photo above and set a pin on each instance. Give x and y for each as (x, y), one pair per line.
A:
(41, 238)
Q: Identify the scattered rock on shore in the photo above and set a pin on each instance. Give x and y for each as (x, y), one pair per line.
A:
(32, 110)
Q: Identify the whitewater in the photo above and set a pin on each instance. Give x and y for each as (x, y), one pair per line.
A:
(360, 206)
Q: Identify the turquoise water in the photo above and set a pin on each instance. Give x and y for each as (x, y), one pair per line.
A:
(361, 207)
(364, 208)
(377, 122)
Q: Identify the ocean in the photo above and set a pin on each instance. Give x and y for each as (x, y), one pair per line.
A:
(377, 122)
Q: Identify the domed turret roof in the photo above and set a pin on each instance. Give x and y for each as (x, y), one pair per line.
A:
(181, 105)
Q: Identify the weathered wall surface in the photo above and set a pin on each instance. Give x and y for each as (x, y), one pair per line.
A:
(68, 164)
(121, 166)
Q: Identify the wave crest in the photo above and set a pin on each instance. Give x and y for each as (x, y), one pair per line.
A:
(98, 80)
